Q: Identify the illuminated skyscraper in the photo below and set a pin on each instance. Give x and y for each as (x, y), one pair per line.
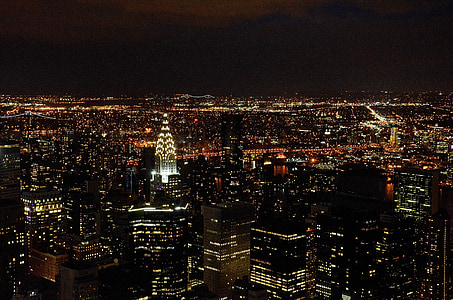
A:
(12, 224)
(159, 247)
(278, 258)
(232, 157)
(44, 219)
(416, 193)
(165, 152)
(226, 245)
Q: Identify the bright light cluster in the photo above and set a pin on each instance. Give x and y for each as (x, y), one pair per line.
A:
(165, 152)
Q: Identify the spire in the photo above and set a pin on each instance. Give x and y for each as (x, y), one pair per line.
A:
(165, 151)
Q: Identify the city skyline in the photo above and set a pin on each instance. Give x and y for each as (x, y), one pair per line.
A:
(96, 47)
(189, 197)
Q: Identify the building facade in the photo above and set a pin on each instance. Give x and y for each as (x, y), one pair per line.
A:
(226, 245)
(158, 239)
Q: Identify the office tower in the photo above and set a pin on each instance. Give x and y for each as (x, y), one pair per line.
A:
(232, 158)
(41, 166)
(345, 242)
(114, 222)
(416, 193)
(159, 246)
(226, 245)
(44, 219)
(278, 258)
(13, 252)
(9, 171)
(149, 162)
(201, 185)
(433, 259)
(79, 281)
(395, 253)
(330, 255)
(83, 224)
(82, 214)
(12, 222)
(165, 152)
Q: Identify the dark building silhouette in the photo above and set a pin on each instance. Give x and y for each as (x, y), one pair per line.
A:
(345, 264)
(433, 270)
(232, 157)
(78, 281)
(395, 253)
(13, 255)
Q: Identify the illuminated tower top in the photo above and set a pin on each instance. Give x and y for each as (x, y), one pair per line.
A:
(165, 152)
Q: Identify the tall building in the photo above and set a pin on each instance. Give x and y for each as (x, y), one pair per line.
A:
(9, 171)
(345, 264)
(158, 240)
(201, 193)
(165, 152)
(416, 193)
(82, 214)
(114, 222)
(226, 245)
(44, 219)
(232, 157)
(13, 255)
(433, 263)
(278, 258)
(395, 257)
(12, 223)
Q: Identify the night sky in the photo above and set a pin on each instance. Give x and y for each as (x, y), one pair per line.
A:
(223, 47)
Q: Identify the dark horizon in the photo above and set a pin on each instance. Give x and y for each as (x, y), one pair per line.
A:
(264, 48)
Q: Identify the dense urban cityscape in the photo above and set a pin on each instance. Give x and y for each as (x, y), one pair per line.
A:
(344, 196)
